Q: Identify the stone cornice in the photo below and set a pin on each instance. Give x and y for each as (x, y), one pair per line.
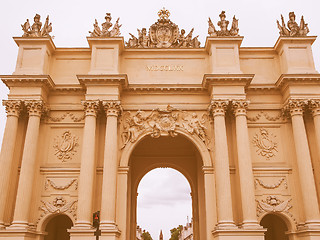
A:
(105, 79)
(297, 79)
(36, 41)
(165, 88)
(227, 80)
(27, 81)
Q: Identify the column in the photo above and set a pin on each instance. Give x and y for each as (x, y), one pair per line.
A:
(26, 180)
(307, 183)
(222, 170)
(87, 169)
(13, 108)
(249, 217)
(109, 185)
(315, 108)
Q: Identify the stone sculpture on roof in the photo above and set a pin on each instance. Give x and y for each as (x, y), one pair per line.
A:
(35, 29)
(163, 34)
(223, 24)
(293, 30)
(104, 30)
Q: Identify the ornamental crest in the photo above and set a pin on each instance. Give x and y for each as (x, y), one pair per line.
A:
(265, 144)
(163, 34)
(163, 122)
(65, 146)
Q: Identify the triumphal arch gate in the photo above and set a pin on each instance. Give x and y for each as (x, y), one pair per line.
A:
(84, 125)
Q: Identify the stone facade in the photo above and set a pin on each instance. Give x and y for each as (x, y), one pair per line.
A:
(85, 125)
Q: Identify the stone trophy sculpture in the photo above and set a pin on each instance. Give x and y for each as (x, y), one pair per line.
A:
(35, 29)
(293, 29)
(223, 24)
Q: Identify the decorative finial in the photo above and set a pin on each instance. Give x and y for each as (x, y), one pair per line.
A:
(293, 30)
(164, 13)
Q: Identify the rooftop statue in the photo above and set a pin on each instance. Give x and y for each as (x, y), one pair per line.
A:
(104, 31)
(35, 30)
(163, 34)
(293, 30)
(223, 24)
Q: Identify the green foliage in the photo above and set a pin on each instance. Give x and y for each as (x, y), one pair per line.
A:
(175, 232)
(146, 236)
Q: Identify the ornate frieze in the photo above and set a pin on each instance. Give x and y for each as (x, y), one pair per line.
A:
(163, 122)
(265, 143)
(273, 204)
(271, 186)
(13, 107)
(91, 107)
(35, 29)
(104, 30)
(50, 182)
(35, 107)
(65, 146)
(293, 29)
(239, 107)
(112, 108)
(223, 24)
(63, 116)
(163, 34)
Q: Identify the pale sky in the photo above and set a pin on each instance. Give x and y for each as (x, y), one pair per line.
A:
(73, 19)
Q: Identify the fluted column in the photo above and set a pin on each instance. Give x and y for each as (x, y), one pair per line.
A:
(13, 108)
(245, 166)
(87, 169)
(222, 170)
(26, 180)
(109, 185)
(307, 183)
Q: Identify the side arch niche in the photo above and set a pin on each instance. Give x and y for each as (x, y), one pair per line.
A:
(56, 227)
(277, 226)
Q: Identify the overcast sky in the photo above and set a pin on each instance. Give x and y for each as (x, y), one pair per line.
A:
(73, 19)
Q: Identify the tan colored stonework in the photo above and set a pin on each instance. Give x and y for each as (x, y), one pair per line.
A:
(85, 125)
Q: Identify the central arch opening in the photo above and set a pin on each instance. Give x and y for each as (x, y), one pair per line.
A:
(178, 153)
(164, 201)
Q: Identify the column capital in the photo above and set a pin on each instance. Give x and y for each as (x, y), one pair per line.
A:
(13, 107)
(35, 107)
(295, 106)
(240, 107)
(91, 107)
(218, 107)
(314, 105)
(112, 108)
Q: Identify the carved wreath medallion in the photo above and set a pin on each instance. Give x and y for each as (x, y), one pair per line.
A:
(65, 146)
(265, 144)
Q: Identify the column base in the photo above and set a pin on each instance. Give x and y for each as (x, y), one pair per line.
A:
(17, 234)
(239, 234)
(109, 231)
(226, 226)
(82, 234)
(253, 225)
(309, 235)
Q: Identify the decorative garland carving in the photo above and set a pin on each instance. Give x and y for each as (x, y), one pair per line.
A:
(271, 186)
(162, 123)
(53, 184)
(71, 115)
(266, 115)
(65, 146)
(58, 205)
(265, 143)
(273, 204)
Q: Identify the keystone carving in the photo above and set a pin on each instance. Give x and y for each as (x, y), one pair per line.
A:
(293, 30)
(223, 24)
(163, 34)
(271, 186)
(13, 107)
(60, 187)
(35, 30)
(265, 144)
(58, 205)
(162, 122)
(273, 204)
(104, 31)
(65, 146)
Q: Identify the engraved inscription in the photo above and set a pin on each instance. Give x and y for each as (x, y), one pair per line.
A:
(164, 68)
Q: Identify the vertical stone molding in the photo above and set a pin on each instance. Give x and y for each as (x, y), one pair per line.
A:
(25, 187)
(108, 204)
(307, 182)
(249, 217)
(222, 170)
(87, 168)
(13, 108)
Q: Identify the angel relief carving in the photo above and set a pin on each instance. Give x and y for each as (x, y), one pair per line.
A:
(162, 122)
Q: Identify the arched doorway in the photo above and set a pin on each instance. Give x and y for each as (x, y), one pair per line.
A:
(276, 227)
(174, 152)
(57, 228)
(164, 202)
